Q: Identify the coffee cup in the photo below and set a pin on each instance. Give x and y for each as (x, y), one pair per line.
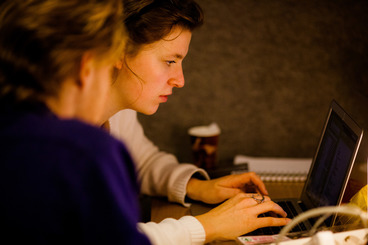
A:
(204, 142)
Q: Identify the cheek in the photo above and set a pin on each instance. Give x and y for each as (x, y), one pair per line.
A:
(126, 89)
(129, 85)
(152, 73)
(157, 80)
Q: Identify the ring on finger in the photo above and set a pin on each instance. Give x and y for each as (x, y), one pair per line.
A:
(258, 200)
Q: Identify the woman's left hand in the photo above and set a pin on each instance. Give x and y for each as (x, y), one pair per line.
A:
(221, 189)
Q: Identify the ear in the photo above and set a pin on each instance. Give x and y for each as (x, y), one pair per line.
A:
(86, 70)
(119, 64)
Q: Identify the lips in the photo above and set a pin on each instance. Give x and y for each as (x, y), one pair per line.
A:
(164, 98)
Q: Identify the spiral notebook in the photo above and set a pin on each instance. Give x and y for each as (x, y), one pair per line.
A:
(276, 169)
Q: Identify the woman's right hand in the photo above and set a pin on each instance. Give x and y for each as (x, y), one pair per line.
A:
(238, 216)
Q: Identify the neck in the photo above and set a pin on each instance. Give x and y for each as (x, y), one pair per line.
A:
(109, 112)
(112, 107)
(62, 106)
(68, 104)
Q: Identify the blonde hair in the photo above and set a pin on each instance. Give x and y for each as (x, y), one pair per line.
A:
(42, 42)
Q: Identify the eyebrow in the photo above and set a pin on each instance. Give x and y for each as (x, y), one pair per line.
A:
(178, 56)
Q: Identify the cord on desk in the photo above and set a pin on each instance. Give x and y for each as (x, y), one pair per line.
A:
(326, 212)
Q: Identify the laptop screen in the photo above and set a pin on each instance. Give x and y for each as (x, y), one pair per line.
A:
(333, 161)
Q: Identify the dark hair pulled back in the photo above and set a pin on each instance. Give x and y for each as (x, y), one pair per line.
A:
(148, 21)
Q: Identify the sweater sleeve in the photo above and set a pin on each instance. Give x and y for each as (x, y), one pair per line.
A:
(159, 173)
(184, 231)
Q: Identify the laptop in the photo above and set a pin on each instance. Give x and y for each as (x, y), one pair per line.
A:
(329, 171)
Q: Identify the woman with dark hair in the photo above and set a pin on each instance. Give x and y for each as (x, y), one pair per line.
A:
(159, 35)
(62, 180)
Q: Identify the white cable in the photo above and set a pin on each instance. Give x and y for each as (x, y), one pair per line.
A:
(346, 209)
(323, 237)
(318, 223)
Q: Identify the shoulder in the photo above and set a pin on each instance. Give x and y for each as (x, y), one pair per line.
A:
(124, 125)
(126, 116)
(65, 141)
(70, 137)
(82, 136)
(95, 145)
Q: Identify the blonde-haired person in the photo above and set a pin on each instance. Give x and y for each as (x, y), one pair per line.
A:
(62, 180)
(159, 35)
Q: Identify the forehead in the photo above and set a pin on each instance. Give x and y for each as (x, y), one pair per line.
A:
(175, 43)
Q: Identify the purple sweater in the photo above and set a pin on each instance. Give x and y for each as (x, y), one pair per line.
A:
(63, 181)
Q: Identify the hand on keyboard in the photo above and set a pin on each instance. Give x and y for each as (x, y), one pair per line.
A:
(240, 215)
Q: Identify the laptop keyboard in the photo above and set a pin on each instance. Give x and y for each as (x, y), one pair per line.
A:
(291, 213)
(288, 207)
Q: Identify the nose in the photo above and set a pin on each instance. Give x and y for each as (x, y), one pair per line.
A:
(177, 80)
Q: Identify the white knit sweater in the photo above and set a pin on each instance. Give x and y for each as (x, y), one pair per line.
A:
(160, 174)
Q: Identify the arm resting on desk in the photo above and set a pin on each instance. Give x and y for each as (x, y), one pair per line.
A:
(160, 173)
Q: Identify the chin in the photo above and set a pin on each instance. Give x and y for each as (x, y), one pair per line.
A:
(149, 112)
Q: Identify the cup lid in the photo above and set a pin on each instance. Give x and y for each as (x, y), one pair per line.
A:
(205, 131)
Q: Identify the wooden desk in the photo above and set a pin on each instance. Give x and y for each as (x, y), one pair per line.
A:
(161, 208)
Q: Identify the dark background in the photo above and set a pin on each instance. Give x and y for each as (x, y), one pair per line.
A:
(266, 72)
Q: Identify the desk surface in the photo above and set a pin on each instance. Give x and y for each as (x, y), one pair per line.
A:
(161, 208)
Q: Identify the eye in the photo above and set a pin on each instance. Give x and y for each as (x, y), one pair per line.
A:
(170, 62)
